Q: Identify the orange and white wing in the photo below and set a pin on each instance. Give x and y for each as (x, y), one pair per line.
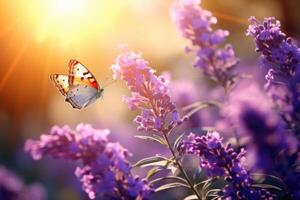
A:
(80, 96)
(61, 82)
(80, 75)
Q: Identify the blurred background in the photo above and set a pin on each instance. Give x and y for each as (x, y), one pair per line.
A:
(39, 37)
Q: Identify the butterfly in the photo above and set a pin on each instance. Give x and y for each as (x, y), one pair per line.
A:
(80, 87)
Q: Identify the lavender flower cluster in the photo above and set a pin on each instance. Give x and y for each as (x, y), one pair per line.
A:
(104, 169)
(272, 147)
(12, 188)
(194, 23)
(224, 161)
(150, 94)
(266, 142)
(281, 57)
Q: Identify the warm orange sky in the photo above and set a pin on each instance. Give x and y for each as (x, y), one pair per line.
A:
(38, 37)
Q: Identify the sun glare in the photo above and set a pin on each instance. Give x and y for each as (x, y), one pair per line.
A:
(70, 21)
(64, 19)
(68, 7)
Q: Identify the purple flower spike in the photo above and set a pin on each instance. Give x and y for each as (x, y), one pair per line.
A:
(220, 160)
(195, 23)
(271, 149)
(105, 170)
(281, 57)
(150, 94)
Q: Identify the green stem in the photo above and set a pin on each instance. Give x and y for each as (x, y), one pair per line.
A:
(165, 133)
(181, 168)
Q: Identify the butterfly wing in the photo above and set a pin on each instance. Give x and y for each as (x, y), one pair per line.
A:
(80, 75)
(80, 96)
(80, 87)
(61, 82)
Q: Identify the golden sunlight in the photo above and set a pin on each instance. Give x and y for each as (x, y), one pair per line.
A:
(70, 21)
(69, 7)
(40, 36)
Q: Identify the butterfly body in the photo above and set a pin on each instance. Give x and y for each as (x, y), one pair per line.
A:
(79, 87)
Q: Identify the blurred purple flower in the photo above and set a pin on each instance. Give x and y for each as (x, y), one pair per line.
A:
(271, 149)
(195, 23)
(252, 115)
(33, 191)
(220, 160)
(243, 102)
(12, 188)
(150, 94)
(105, 170)
(10, 184)
(281, 57)
(184, 93)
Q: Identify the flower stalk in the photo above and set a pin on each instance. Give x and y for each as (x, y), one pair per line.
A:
(150, 95)
(180, 167)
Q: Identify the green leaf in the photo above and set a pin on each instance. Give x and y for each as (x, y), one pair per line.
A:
(161, 139)
(267, 175)
(266, 186)
(152, 161)
(188, 107)
(195, 107)
(203, 182)
(169, 186)
(213, 190)
(191, 197)
(164, 164)
(158, 139)
(177, 178)
(200, 105)
(193, 111)
(173, 168)
(153, 171)
(215, 198)
(178, 140)
(212, 193)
